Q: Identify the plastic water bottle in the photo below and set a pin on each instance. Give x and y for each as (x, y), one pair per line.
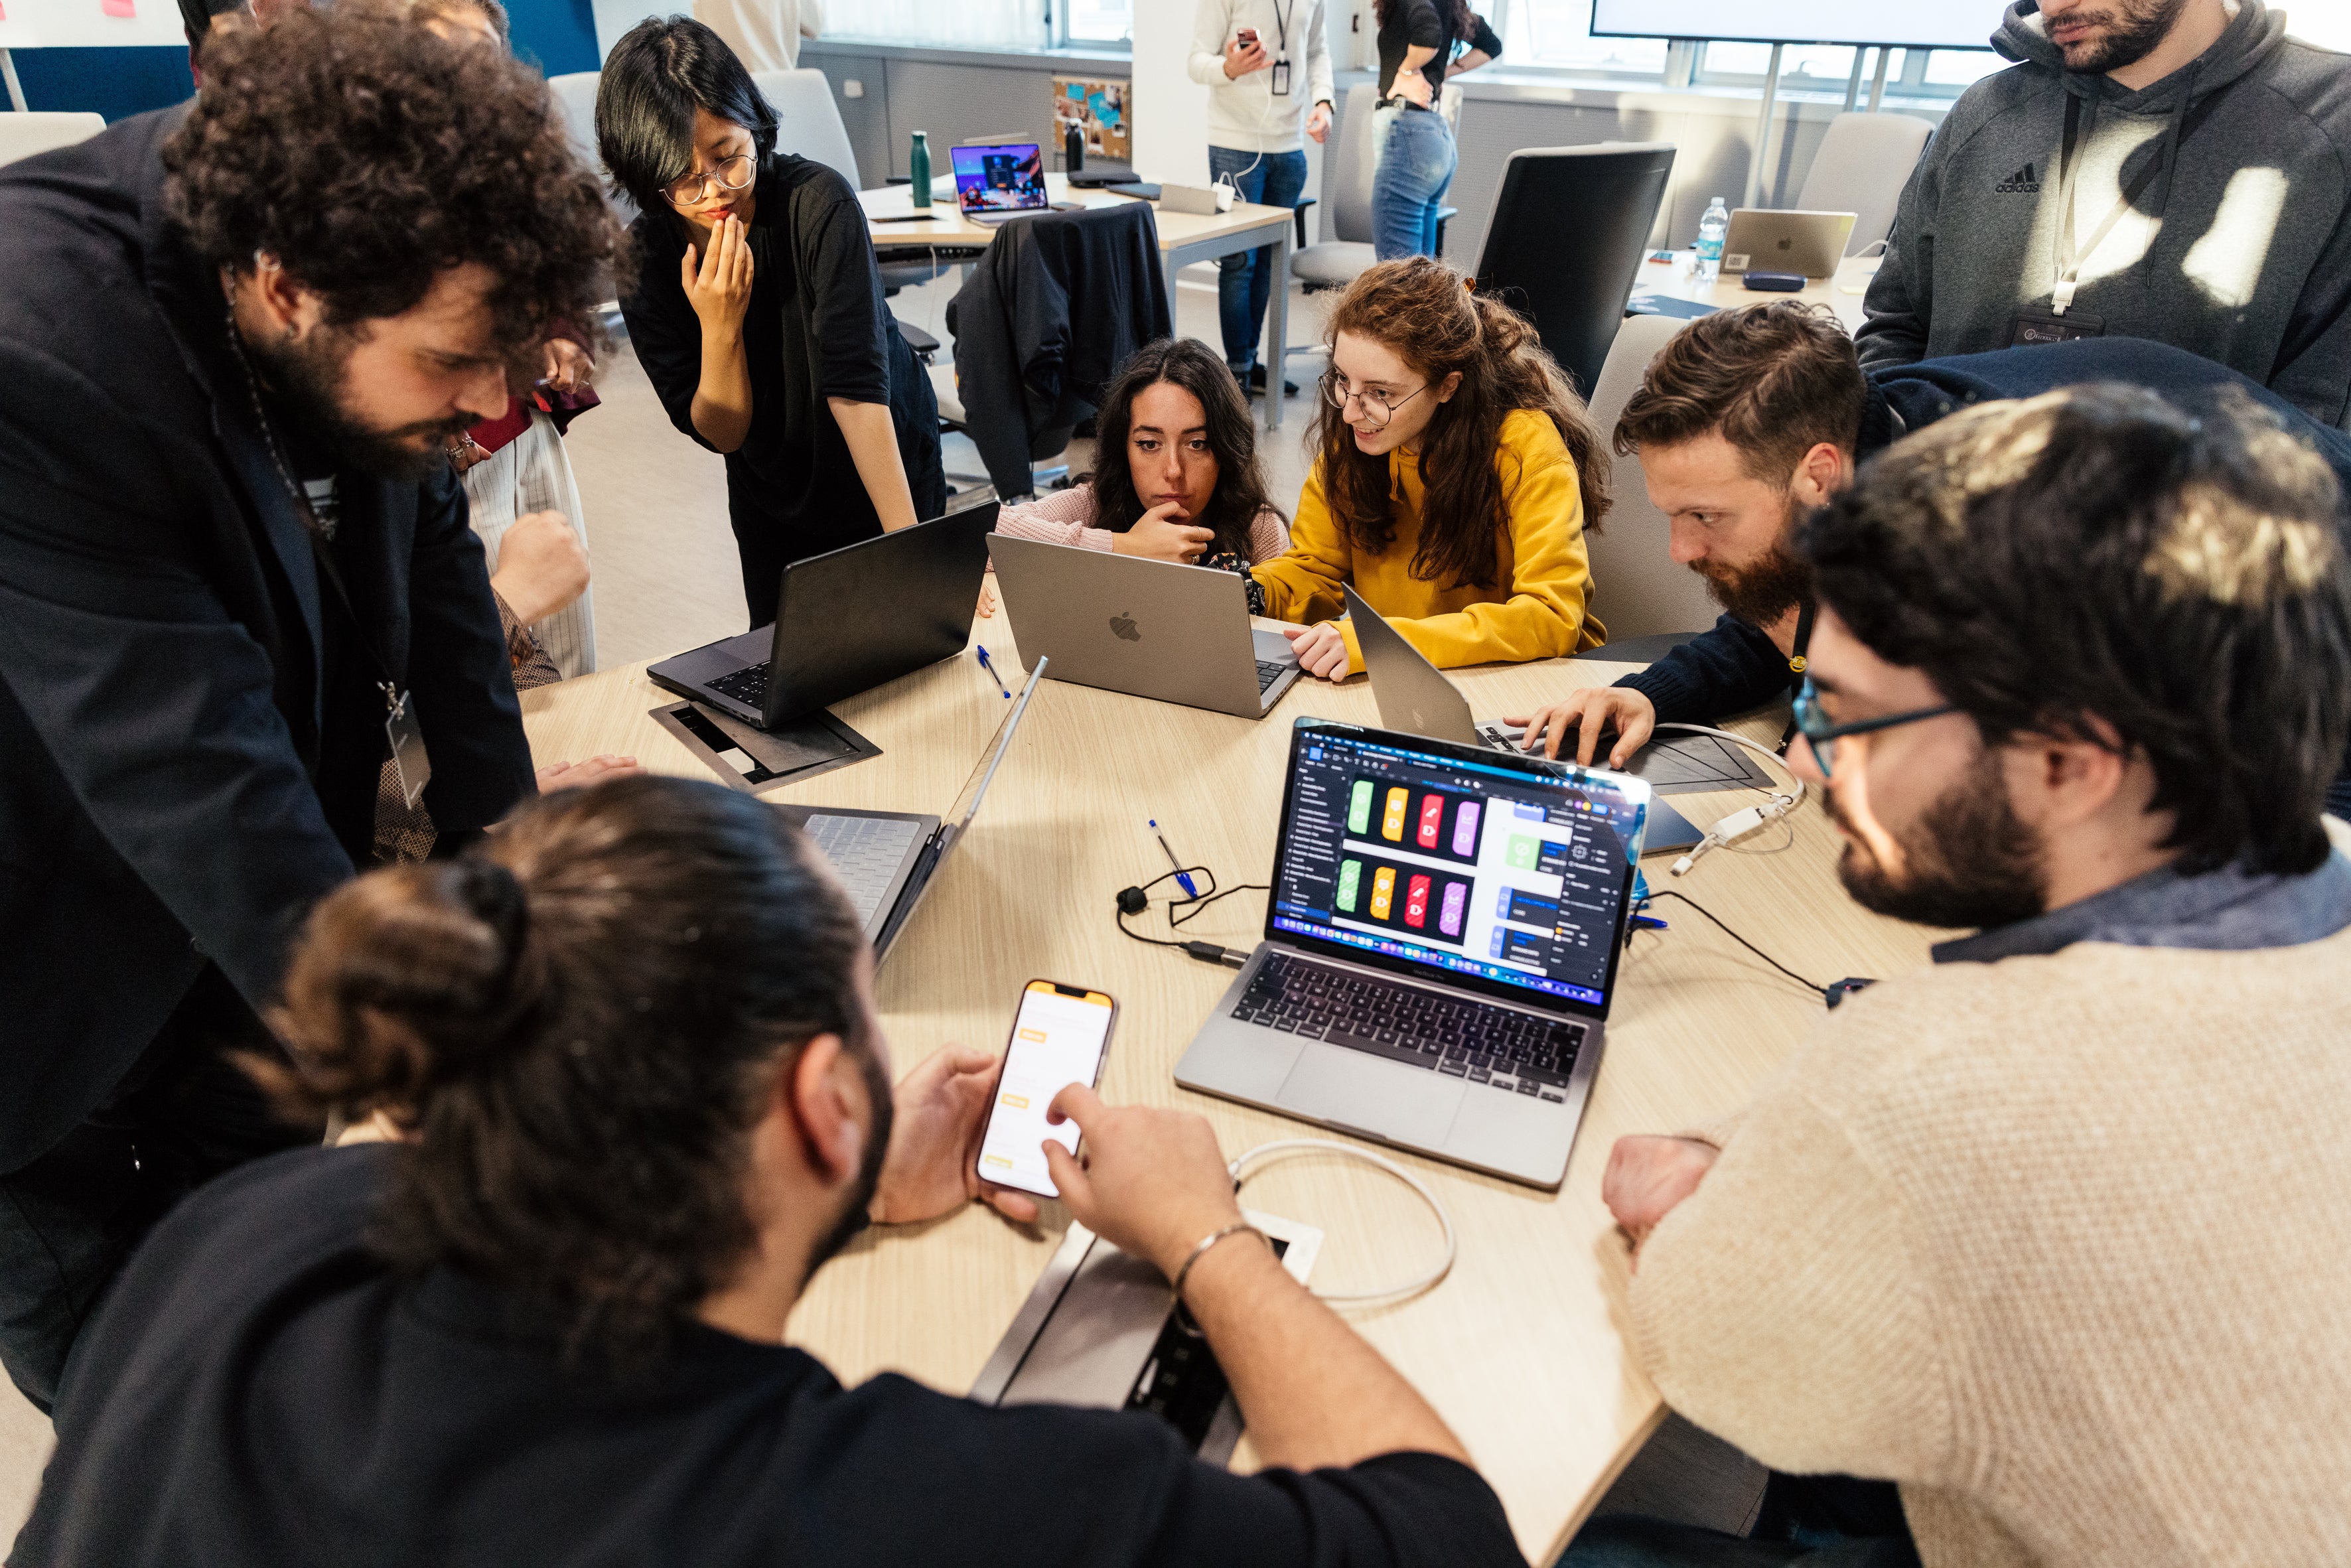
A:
(918, 164)
(1712, 228)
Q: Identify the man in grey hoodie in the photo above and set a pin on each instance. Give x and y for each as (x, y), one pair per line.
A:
(2177, 170)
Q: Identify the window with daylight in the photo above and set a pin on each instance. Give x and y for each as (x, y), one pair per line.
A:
(1557, 34)
(1000, 23)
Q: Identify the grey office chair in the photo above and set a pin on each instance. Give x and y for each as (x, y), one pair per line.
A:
(809, 120)
(24, 135)
(1568, 228)
(1637, 588)
(1863, 161)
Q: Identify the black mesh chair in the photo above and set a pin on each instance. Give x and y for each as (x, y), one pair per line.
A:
(1568, 228)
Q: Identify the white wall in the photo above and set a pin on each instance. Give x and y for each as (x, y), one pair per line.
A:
(1171, 110)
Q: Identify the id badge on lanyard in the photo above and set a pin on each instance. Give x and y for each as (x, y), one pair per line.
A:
(410, 765)
(1279, 86)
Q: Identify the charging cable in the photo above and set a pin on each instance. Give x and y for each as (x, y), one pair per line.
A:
(1286, 1148)
(1135, 900)
(1738, 824)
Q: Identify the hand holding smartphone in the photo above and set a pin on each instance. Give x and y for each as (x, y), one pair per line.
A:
(1061, 1036)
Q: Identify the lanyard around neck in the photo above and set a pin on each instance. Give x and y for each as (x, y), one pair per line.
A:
(2070, 256)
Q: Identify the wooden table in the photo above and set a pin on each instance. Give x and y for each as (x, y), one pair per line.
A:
(1842, 293)
(1521, 1349)
(1183, 238)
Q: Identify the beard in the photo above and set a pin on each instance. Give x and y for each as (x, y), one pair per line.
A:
(1968, 862)
(1765, 590)
(852, 1218)
(2133, 30)
(306, 376)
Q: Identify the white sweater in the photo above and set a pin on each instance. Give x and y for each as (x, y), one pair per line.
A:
(1244, 114)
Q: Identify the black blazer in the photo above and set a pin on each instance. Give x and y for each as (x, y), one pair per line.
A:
(165, 796)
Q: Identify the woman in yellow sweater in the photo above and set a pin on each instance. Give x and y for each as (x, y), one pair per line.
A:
(1458, 473)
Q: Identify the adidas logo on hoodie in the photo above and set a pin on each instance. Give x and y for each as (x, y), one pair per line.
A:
(2024, 182)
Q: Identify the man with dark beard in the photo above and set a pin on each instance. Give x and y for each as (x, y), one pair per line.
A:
(2048, 1235)
(236, 576)
(1747, 419)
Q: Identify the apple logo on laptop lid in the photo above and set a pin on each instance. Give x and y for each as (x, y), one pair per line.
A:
(1123, 627)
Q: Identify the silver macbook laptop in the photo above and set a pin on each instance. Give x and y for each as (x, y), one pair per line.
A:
(1413, 695)
(1770, 239)
(999, 181)
(1147, 628)
(888, 860)
(1440, 949)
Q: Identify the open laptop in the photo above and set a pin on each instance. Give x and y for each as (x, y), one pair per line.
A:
(1770, 239)
(888, 860)
(1147, 628)
(1414, 697)
(999, 181)
(1440, 949)
(846, 621)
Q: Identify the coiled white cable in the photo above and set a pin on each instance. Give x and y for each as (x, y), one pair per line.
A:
(1285, 1147)
(1738, 824)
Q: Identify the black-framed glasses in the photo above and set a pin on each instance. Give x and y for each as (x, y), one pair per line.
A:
(1822, 733)
(732, 175)
(1378, 406)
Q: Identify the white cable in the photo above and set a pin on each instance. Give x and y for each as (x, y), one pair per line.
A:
(1285, 1147)
(1738, 824)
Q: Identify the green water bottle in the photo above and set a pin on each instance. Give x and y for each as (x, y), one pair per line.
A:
(919, 163)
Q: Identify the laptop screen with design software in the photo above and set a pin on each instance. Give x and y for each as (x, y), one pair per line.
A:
(1000, 177)
(1502, 876)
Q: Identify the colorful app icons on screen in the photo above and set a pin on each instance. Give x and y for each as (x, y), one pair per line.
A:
(1383, 892)
(1359, 807)
(1432, 819)
(1415, 902)
(1351, 885)
(1391, 824)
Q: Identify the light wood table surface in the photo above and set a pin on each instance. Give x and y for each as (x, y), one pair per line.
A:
(1521, 1348)
(1842, 293)
(1183, 238)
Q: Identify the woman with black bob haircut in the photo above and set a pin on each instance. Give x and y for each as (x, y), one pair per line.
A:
(758, 311)
(1176, 470)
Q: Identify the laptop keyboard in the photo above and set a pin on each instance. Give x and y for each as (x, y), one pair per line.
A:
(748, 685)
(1519, 1052)
(864, 852)
(1267, 671)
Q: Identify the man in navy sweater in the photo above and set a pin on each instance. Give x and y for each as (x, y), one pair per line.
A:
(1748, 420)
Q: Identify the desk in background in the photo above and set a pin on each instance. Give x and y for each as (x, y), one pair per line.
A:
(1523, 1348)
(1842, 293)
(1183, 238)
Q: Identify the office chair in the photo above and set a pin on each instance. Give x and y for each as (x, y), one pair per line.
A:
(1863, 161)
(1638, 589)
(1569, 227)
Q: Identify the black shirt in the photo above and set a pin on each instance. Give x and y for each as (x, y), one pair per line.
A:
(817, 327)
(1424, 23)
(257, 1388)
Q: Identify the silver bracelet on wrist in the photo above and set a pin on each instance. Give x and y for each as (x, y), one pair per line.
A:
(1201, 1250)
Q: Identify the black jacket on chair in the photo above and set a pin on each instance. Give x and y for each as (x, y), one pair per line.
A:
(1052, 310)
(183, 767)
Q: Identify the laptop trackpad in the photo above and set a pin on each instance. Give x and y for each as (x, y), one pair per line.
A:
(1272, 647)
(1405, 1104)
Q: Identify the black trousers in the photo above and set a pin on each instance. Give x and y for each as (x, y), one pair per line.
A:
(1806, 1521)
(70, 1219)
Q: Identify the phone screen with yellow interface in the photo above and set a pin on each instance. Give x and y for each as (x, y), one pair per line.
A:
(1057, 1038)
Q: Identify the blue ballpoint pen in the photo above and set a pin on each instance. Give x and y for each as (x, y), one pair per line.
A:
(1183, 879)
(987, 664)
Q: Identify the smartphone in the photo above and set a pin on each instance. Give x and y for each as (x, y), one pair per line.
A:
(1060, 1037)
(1247, 37)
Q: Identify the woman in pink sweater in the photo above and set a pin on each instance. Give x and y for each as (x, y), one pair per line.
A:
(1189, 488)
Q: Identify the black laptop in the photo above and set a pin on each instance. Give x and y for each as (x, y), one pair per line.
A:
(846, 621)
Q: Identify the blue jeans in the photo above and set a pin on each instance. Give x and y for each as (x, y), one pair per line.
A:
(1245, 280)
(1806, 1521)
(1416, 158)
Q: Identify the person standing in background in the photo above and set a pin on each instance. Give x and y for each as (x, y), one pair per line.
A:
(1411, 138)
(1249, 54)
(764, 33)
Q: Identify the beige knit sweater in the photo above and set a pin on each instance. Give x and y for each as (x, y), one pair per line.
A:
(2060, 1244)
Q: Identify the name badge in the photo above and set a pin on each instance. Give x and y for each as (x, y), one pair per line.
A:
(2044, 326)
(1280, 78)
(409, 763)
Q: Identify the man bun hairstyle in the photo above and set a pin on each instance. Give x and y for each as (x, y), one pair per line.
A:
(2100, 564)
(367, 156)
(1774, 379)
(1434, 319)
(577, 1024)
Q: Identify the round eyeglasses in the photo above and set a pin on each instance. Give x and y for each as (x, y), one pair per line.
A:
(732, 175)
(1822, 733)
(1378, 407)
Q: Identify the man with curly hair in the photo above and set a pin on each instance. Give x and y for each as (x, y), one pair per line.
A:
(236, 574)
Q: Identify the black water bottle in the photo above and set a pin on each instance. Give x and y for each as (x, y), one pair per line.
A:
(1074, 146)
